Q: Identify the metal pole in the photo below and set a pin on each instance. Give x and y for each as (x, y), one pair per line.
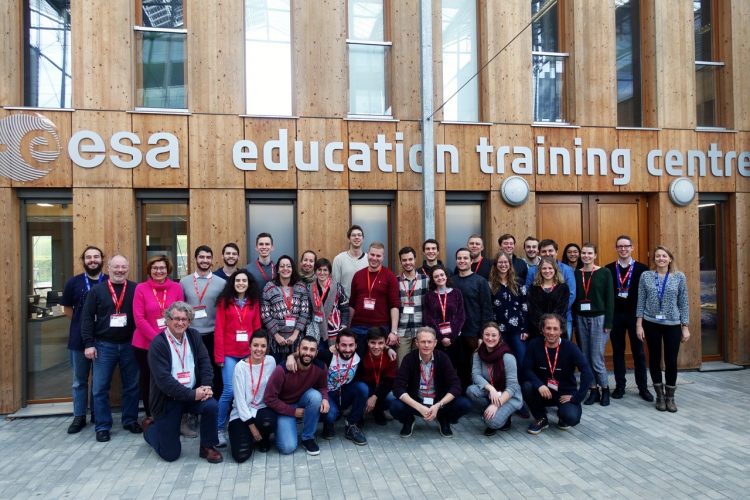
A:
(428, 130)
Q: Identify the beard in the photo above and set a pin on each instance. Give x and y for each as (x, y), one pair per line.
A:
(94, 271)
(305, 360)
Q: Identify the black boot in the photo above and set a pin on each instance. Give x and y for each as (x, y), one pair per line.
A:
(605, 396)
(77, 424)
(594, 396)
(645, 394)
(619, 392)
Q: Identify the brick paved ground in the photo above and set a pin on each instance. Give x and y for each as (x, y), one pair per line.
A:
(628, 450)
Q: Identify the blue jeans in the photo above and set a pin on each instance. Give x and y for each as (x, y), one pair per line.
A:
(227, 394)
(568, 413)
(108, 355)
(81, 368)
(164, 434)
(286, 426)
(449, 413)
(353, 394)
(517, 347)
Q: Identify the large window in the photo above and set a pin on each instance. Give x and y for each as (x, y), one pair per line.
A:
(372, 211)
(274, 213)
(268, 57)
(369, 57)
(708, 64)
(547, 62)
(464, 214)
(47, 63)
(628, 42)
(460, 58)
(164, 231)
(160, 55)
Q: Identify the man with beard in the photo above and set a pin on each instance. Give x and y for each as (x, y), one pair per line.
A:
(431, 251)
(230, 254)
(344, 390)
(412, 290)
(302, 393)
(107, 325)
(263, 269)
(73, 298)
(479, 265)
(201, 290)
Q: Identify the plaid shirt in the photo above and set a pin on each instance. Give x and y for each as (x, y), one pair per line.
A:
(408, 323)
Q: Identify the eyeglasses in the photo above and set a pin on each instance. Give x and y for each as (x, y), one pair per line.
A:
(180, 320)
(622, 247)
(158, 268)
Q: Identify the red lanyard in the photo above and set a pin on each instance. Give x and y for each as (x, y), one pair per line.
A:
(479, 263)
(260, 268)
(586, 285)
(443, 303)
(318, 299)
(240, 313)
(203, 293)
(184, 349)
(346, 373)
(426, 381)
(379, 371)
(290, 301)
(163, 302)
(551, 366)
(370, 286)
(115, 299)
(409, 290)
(260, 378)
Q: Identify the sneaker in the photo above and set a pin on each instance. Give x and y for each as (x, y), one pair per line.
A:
(538, 426)
(77, 424)
(445, 430)
(311, 447)
(562, 424)
(186, 427)
(618, 393)
(222, 439)
(506, 426)
(489, 431)
(328, 431)
(355, 435)
(133, 427)
(211, 454)
(407, 429)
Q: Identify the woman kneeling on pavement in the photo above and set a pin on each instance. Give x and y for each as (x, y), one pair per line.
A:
(251, 421)
(495, 392)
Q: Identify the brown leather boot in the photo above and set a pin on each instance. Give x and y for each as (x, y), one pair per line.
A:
(211, 454)
(661, 404)
(669, 399)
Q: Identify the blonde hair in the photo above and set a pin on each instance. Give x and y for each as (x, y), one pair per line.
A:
(672, 267)
(557, 278)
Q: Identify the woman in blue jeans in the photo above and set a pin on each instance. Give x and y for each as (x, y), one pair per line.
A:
(510, 305)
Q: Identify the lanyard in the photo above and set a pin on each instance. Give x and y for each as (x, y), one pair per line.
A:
(346, 373)
(624, 287)
(260, 268)
(289, 303)
(174, 346)
(163, 302)
(422, 378)
(587, 285)
(88, 284)
(318, 299)
(379, 371)
(409, 290)
(240, 313)
(115, 299)
(370, 286)
(549, 364)
(662, 289)
(479, 263)
(205, 288)
(260, 378)
(443, 302)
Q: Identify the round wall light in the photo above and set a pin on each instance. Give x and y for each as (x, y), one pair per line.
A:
(514, 190)
(681, 191)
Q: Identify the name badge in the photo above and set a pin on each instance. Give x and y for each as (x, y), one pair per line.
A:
(408, 309)
(552, 384)
(318, 318)
(242, 336)
(623, 295)
(369, 304)
(427, 401)
(200, 312)
(290, 320)
(585, 306)
(161, 323)
(184, 377)
(660, 316)
(118, 320)
(445, 328)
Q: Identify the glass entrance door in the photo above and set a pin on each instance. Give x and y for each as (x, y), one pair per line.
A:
(48, 263)
(710, 217)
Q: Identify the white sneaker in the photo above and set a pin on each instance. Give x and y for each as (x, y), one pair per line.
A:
(222, 440)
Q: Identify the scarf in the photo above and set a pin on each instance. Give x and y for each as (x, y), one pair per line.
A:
(495, 360)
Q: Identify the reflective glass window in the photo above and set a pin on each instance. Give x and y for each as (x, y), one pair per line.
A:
(368, 56)
(279, 219)
(460, 56)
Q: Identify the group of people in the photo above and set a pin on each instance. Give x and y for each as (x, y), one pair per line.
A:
(253, 351)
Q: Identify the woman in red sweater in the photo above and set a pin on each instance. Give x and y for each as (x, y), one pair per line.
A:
(237, 317)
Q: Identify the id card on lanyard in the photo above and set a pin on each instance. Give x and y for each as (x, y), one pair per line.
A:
(118, 320)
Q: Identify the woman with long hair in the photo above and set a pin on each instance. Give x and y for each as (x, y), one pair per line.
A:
(548, 294)
(152, 297)
(572, 256)
(443, 311)
(330, 305)
(286, 309)
(663, 313)
(510, 305)
(237, 317)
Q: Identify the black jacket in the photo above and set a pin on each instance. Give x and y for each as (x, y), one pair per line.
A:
(407, 380)
(96, 313)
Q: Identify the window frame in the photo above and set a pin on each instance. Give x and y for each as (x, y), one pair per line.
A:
(718, 66)
(565, 107)
(157, 197)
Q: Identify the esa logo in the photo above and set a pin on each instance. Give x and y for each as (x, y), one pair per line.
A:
(27, 142)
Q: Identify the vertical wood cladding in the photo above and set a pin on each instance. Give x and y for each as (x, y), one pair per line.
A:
(11, 34)
(10, 308)
(217, 216)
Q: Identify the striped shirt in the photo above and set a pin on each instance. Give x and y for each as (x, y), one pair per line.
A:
(412, 294)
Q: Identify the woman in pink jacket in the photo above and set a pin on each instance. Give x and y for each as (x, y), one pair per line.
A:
(151, 298)
(237, 317)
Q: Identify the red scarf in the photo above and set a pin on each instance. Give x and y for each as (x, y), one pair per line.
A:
(495, 360)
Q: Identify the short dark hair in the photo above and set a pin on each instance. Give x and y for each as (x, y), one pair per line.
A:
(406, 250)
(259, 334)
(375, 333)
(462, 249)
(530, 238)
(263, 235)
(92, 247)
(308, 338)
(158, 258)
(548, 242)
(231, 244)
(624, 237)
(346, 332)
(554, 316)
(203, 248)
(354, 227)
(323, 262)
(448, 281)
(506, 236)
(431, 240)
